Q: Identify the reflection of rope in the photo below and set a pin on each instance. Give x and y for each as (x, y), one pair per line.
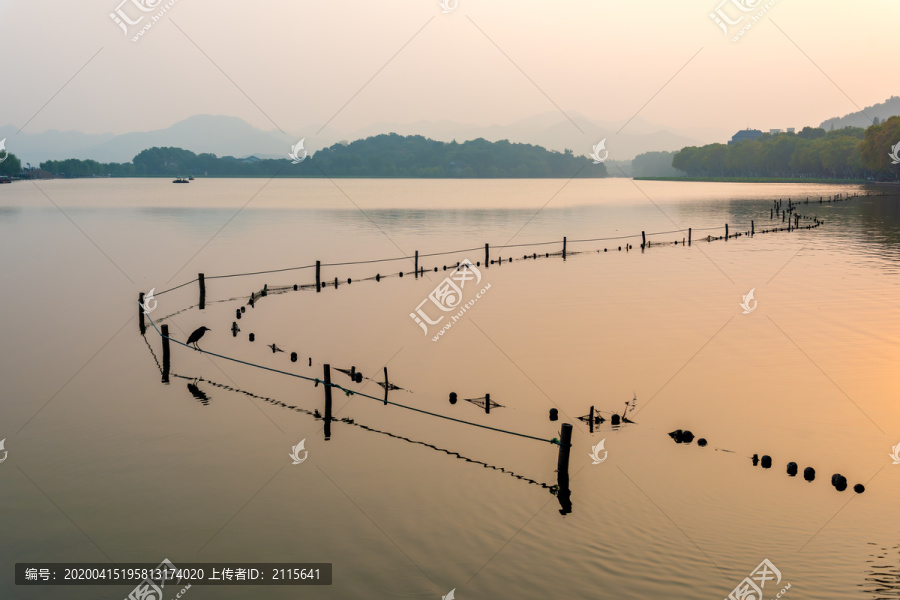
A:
(348, 421)
(352, 392)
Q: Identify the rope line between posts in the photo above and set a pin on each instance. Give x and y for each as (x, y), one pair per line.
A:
(380, 260)
(351, 392)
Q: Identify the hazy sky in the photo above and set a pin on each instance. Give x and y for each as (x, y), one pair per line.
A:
(295, 64)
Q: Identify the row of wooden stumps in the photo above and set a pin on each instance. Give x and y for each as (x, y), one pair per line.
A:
(809, 474)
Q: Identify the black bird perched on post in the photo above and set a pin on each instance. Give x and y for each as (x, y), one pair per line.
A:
(195, 337)
(275, 349)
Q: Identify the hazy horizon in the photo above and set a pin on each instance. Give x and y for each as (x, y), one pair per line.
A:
(326, 70)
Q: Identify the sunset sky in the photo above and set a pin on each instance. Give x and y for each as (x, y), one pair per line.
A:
(296, 66)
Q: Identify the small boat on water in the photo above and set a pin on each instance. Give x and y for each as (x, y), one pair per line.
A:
(190, 177)
(5, 179)
(180, 180)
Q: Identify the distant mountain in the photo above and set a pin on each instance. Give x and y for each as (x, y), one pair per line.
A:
(231, 136)
(221, 135)
(888, 108)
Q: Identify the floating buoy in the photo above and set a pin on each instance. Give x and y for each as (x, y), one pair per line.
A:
(349, 281)
(604, 249)
(755, 459)
(554, 414)
(687, 437)
(401, 273)
(859, 488)
(358, 378)
(377, 277)
(615, 419)
(293, 357)
(295, 287)
(839, 482)
(243, 309)
(620, 248)
(766, 461)
(237, 314)
(702, 442)
(809, 473)
(792, 469)
(252, 337)
(452, 397)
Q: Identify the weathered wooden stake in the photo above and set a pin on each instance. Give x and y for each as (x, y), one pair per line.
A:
(202, 291)
(318, 276)
(387, 386)
(487, 404)
(643, 240)
(565, 447)
(327, 380)
(166, 356)
(564, 248)
(592, 419)
(417, 264)
(141, 313)
(487, 255)
(689, 236)
(726, 232)
(752, 228)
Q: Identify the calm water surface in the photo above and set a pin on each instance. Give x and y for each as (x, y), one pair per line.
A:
(106, 463)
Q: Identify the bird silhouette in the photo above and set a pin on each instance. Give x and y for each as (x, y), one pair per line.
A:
(196, 335)
(275, 348)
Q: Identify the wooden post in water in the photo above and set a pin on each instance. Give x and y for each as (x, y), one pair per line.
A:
(592, 419)
(565, 447)
(387, 386)
(318, 276)
(327, 380)
(726, 232)
(643, 240)
(689, 236)
(202, 281)
(141, 313)
(166, 356)
(417, 264)
(487, 404)
(752, 228)
(487, 255)
(564, 248)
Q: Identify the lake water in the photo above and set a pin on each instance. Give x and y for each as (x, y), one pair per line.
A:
(107, 463)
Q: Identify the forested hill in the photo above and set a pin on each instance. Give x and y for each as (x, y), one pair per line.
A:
(848, 153)
(389, 155)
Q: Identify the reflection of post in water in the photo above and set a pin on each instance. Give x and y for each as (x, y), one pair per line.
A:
(564, 494)
(327, 402)
(165, 343)
(197, 393)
